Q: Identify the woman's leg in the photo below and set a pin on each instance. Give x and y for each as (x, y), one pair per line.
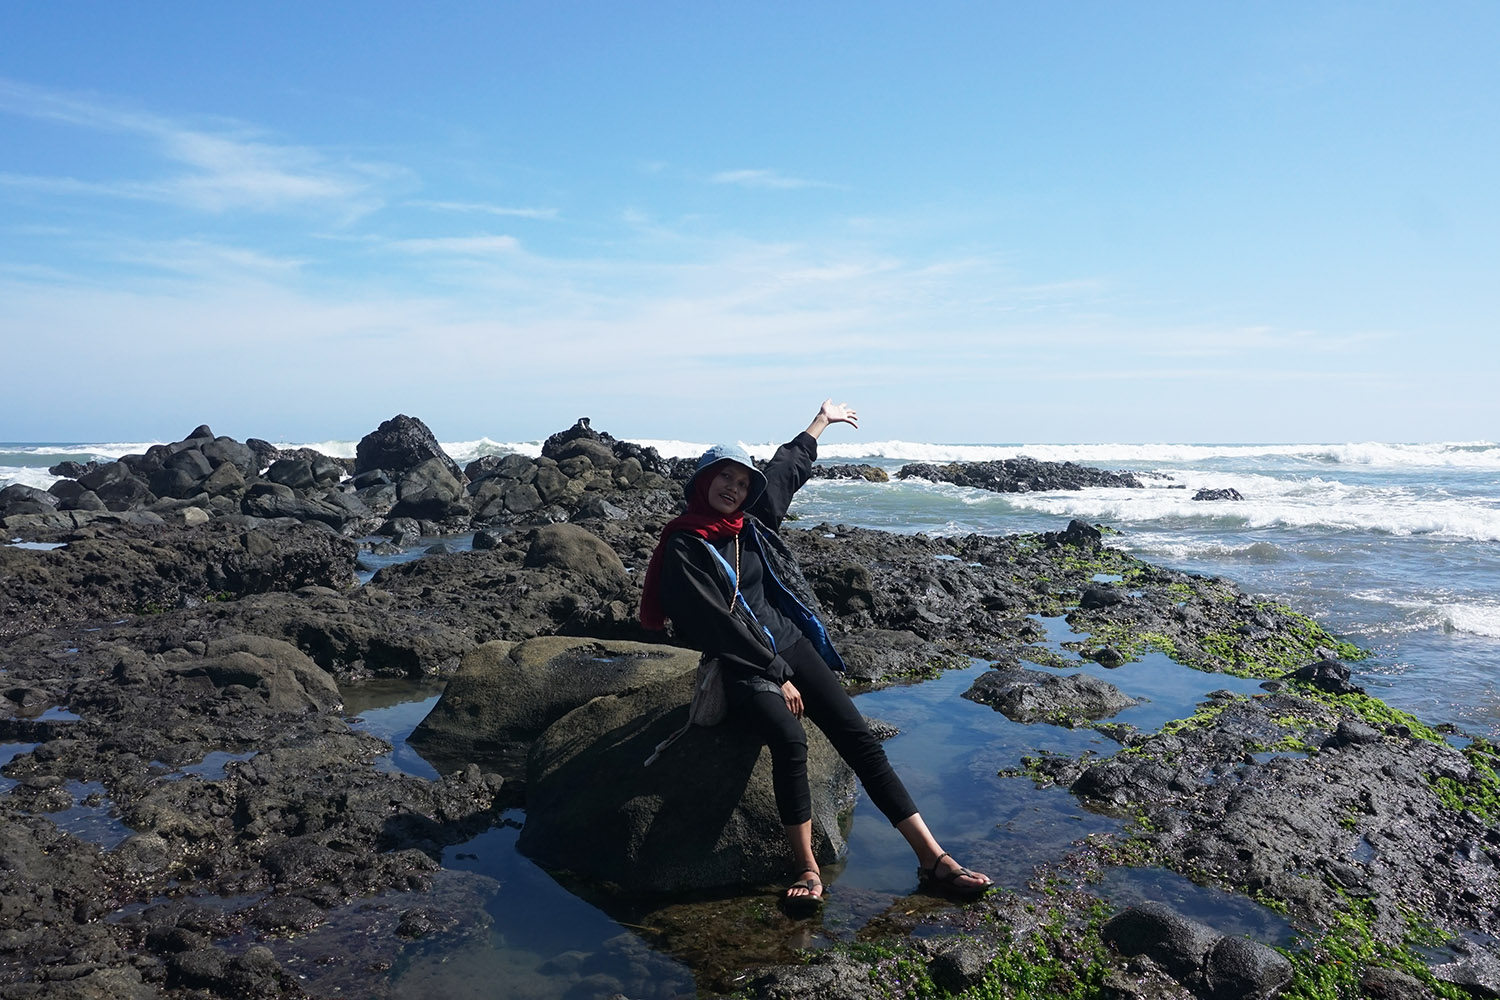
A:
(830, 706)
(765, 714)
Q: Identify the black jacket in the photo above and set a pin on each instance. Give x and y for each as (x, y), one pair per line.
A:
(697, 582)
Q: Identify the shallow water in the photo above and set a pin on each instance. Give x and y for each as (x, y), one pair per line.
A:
(92, 816)
(542, 937)
(391, 709)
(8, 753)
(1226, 912)
(370, 563)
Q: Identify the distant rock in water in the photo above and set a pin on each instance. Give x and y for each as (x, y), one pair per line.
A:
(869, 473)
(1018, 475)
(1226, 494)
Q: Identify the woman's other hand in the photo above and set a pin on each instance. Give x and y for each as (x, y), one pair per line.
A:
(832, 413)
(793, 698)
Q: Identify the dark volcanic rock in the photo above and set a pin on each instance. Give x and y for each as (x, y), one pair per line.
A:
(1327, 675)
(1213, 965)
(702, 815)
(505, 695)
(20, 499)
(1030, 695)
(128, 570)
(1019, 475)
(1224, 494)
(70, 469)
(400, 444)
(869, 473)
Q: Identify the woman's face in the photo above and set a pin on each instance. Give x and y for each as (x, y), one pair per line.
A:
(728, 486)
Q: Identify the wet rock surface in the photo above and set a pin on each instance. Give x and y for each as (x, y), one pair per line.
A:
(202, 608)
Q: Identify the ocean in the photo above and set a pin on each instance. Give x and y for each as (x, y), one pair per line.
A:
(1393, 546)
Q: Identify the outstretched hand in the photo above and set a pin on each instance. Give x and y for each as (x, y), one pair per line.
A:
(832, 413)
(838, 413)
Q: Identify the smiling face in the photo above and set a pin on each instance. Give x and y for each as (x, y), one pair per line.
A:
(728, 486)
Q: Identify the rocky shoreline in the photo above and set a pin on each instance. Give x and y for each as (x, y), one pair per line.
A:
(177, 629)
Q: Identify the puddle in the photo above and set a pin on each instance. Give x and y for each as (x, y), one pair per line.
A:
(92, 816)
(1106, 578)
(37, 546)
(371, 563)
(948, 755)
(8, 753)
(210, 768)
(1226, 912)
(1266, 756)
(58, 714)
(219, 904)
(1169, 689)
(391, 709)
(945, 557)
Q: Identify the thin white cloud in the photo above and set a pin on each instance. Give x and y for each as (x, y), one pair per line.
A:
(217, 170)
(483, 208)
(761, 178)
(463, 246)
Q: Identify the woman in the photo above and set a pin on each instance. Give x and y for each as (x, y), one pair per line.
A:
(730, 587)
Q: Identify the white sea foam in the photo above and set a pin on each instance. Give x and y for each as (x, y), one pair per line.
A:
(464, 452)
(1464, 454)
(1448, 612)
(37, 478)
(333, 449)
(1477, 619)
(1270, 503)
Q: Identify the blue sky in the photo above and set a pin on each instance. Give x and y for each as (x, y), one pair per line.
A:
(999, 222)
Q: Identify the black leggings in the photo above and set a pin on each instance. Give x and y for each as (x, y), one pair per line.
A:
(825, 702)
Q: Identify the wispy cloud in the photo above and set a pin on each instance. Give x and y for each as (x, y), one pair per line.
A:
(216, 169)
(482, 208)
(463, 246)
(761, 178)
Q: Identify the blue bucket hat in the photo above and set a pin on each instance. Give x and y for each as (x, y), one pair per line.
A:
(729, 453)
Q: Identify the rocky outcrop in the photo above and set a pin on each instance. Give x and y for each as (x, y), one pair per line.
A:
(1229, 493)
(867, 473)
(176, 627)
(399, 445)
(1019, 475)
(702, 815)
(105, 570)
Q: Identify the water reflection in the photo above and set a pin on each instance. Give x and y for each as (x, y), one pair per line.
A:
(391, 709)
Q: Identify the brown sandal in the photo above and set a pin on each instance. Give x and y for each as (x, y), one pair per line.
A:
(947, 882)
(808, 903)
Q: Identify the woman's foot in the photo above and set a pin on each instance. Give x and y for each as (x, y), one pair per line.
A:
(805, 895)
(951, 878)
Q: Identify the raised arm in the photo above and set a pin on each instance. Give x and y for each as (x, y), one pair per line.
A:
(792, 464)
(832, 413)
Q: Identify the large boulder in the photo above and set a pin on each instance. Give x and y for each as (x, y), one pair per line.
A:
(269, 669)
(703, 815)
(21, 499)
(431, 491)
(580, 555)
(400, 444)
(1211, 964)
(505, 694)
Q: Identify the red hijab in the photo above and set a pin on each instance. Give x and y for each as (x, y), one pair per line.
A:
(701, 520)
